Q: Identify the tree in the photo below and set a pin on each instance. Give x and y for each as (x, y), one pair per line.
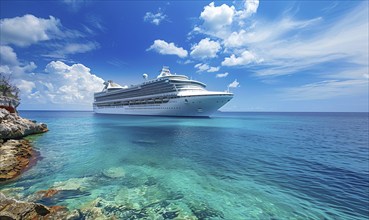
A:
(7, 89)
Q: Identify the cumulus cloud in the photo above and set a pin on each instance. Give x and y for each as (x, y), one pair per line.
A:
(220, 21)
(25, 86)
(7, 56)
(69, 84)
(28, 29)
(9, 63)
(206, 48)
(217, 17)
(222, 75)
(165, 48)
(236, 39)
(234, 84)
(155, 18)
(245, 58)
(250, 8)
(60, 83)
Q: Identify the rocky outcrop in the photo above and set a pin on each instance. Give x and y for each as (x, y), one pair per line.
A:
(12, 126)
(14, 209)
(14, 157)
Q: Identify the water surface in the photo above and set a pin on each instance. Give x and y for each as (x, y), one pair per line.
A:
(230, 166)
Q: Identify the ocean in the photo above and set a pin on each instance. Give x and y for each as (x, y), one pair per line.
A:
(230, 166)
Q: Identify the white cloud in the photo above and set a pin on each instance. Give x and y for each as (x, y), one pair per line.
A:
(217, 17)
(289, 45)
(73, 84)
(236, 39)
(205, 67)
(25, 86)
(222, 75)
(165, 48)
(325, 89)
(59, 84)
(202, 67)
(234, 84)
(62, 50)
(9, 63)
(251, 7)
(206, 48)
(4, 69)
(213, 69)
(28, 29)
(246, 58)
(155, 18)
(74, 48)
(7, 56)
(221, 21)
(75, 5)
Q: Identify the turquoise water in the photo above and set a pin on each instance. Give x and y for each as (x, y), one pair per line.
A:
(230, 166)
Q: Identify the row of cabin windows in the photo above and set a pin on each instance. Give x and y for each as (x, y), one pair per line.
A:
(142, 107)
(139, 102)
(134, 94)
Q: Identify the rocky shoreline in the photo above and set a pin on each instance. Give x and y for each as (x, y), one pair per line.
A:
(15, 152)
(15, 156)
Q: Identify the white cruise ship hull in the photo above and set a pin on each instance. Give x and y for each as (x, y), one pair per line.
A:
(189, 106)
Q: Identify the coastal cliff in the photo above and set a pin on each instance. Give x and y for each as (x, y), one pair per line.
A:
(15, 152)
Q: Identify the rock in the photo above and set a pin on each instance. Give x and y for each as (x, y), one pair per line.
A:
(74, 215)
(13, 209)
(114, 172)
(14, 157)
(73, 184)
(18, 210)
(58, 212)
(48, 193)
(12, 126)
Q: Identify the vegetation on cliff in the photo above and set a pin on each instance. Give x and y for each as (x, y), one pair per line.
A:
(7, 89)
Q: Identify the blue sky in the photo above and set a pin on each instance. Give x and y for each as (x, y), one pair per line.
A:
(274, 55)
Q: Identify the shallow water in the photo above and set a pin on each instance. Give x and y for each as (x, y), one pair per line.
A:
(230, 166)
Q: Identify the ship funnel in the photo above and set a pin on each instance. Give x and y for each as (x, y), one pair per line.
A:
(164, 72)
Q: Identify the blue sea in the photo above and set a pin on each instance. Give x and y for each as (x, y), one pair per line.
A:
(230, 166)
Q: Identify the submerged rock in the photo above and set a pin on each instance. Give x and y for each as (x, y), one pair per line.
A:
(71, 184)
(204, 211)
(114, 172)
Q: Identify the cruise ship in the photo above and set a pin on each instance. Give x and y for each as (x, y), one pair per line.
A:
(167, 95)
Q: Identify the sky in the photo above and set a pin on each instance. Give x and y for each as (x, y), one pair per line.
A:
(273, 55)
